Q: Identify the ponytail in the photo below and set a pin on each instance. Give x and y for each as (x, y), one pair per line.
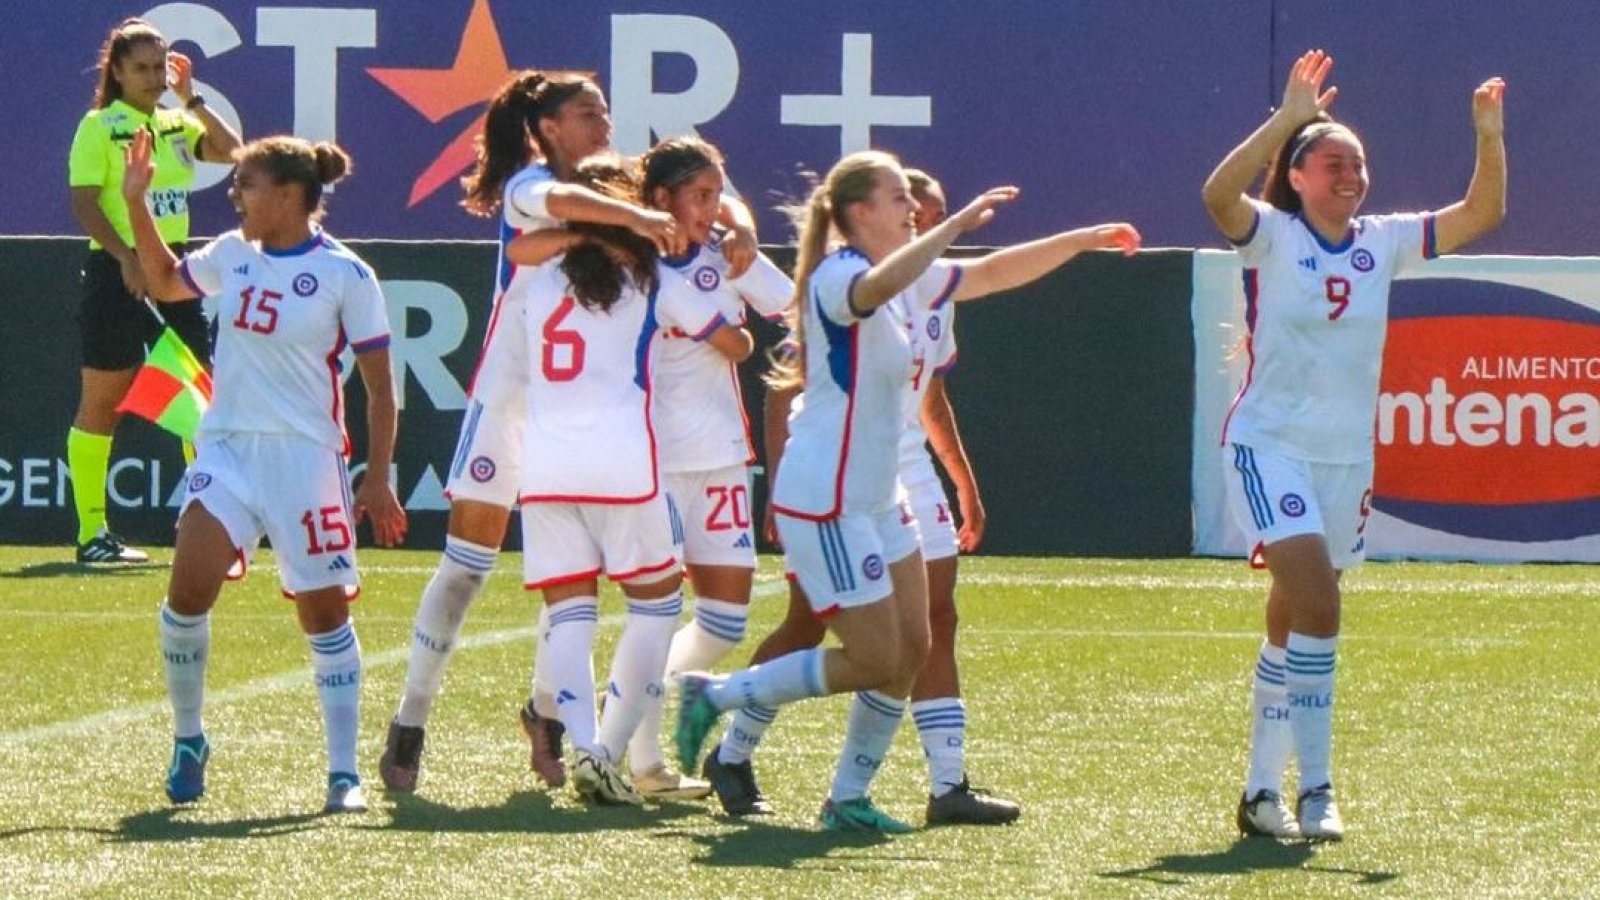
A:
(511, 133)
(129, 33)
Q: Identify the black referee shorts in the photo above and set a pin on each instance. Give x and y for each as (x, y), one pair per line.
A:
(116, 327)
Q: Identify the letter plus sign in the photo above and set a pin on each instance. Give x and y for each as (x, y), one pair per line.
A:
(855, 109)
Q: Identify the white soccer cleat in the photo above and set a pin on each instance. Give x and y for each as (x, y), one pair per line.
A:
(599, 781)
(662, 783)
(1266, 815)
(1319, 815)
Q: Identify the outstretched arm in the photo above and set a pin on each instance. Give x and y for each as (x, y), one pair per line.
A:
(1303, 99)
(1017, 265)
(1484, 206)
(576, 203)
(895, 272)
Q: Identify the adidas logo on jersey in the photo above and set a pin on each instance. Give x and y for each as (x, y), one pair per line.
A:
(339, 563)
(1309, 262)
(743, 542)
(242, 270)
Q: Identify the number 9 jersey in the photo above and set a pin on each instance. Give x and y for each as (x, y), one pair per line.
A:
(283, 319)
(1317, 315)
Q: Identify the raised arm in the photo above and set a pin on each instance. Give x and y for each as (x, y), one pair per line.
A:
(1303, 99)
(160, 267)
(1017, 265)
(740, 246)
(220, 140)
(1484, 206)
(375, 497)
(895, 272)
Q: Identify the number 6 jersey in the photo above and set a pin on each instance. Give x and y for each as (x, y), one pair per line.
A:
(1318, 314)
(283, 319)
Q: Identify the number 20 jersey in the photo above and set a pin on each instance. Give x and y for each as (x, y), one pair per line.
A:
(283, 319)
(1317, 315)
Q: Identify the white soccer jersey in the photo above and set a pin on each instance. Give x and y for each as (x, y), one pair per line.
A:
(699, 410)
(933, 343)
(844, 439)
(1317, 315)
(283, 318)
(589, 437)
(498, 380)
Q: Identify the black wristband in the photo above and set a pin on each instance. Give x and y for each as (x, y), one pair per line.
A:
(196, 100)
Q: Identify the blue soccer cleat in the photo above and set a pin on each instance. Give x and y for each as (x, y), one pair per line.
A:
(186, 776)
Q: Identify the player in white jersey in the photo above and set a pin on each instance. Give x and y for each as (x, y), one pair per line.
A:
(703, 435)
(1298, 443)
(848, 542)
(592, 499)
(271, 450)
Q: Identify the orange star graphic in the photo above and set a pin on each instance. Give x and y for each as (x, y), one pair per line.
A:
(480, 68)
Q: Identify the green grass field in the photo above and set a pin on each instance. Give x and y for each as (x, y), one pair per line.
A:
(1109, 697)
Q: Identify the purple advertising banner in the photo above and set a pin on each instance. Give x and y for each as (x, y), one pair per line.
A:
(1098, 109)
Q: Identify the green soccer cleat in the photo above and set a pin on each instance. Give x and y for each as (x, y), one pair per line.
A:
(860, 815)
(697, 715)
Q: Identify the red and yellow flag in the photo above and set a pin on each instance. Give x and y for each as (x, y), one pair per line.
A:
(172, 389)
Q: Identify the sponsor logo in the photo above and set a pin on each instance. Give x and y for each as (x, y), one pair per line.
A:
(482, 469)
(305, 284)
(707, 278)
(1362, 260)
(340, 563)
(242, 269)
(1292, 505)
(198, 482)
(872, 567)
(743, 542)
(1489, 412)
(1309, 263)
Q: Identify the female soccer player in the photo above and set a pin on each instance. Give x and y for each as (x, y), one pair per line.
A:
(271, 451)
(136, 68)
(844, 536)
(538, 128)
(1298, 443)
(592, 498)
(703, 435)
(936, 705)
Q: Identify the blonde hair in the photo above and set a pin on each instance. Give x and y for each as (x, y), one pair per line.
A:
(822, 217)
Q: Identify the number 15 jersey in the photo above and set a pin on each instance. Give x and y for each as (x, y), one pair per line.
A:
(1317, 315)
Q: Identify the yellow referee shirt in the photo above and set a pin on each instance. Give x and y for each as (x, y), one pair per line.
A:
(97, 160)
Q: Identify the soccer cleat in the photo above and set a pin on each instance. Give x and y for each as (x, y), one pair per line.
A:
(696, 717)
(735, 784)
(661, 783)
(544, 741)
(1319, 815)
(1266, 815)
(966, 805)
(599, 781)
(401, 762)
(186, 775)
(345, 794)
(860, 815)
(106, 547)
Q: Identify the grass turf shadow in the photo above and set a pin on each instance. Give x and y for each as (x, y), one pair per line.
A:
(1243, 856)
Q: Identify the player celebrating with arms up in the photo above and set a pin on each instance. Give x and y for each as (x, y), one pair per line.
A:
(271, 450)
(1298, 443)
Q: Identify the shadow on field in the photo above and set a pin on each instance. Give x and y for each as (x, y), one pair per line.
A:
(1244, 856)
(526, 812)
(757, 844)
(169, 824)
(65, 568)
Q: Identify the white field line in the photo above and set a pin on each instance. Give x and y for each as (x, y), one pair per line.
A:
(294, 679)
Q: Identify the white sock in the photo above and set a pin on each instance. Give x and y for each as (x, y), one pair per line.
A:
(1271, 738)
(638, 671)
(336, 661)
(791, 677)
(942, 725)
(744, 733)
(567, 656)
(455, 584)
(185, 644)
(1309, 664)
(544, 699)
(718, 627)
(874, 716)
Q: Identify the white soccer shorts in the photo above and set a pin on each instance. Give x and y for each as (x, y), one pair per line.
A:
(628, 542)
(1275, 497)
(716, 513)
(921, 490)
(842, 563)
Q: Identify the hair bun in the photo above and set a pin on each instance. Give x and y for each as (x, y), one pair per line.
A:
(332, 162)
